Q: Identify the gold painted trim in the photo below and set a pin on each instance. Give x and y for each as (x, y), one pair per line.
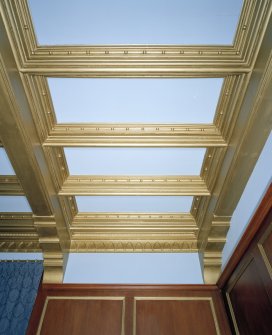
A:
(230, 287)
(176, 135)
(232, 314)
(177, 299)
(265, 259)
(262, 250)
(139, 60)
(110, 298)
(148, 243)
(97, 217)
(10, 185)
(134, 185)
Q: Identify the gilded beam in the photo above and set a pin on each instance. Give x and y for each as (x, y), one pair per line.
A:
(254, 120)
(134, 223)
(18, 233)
(134, 185)
(19, 136)
(10, 185)
(101, 219)
(17, 223)
(136, 61)
(52, 250)
(133, 232)
(212, 257)
(175, 135)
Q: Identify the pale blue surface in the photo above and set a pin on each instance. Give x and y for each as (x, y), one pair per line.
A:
(135, 22)
(21, 256)
(134, 161)
(134, 268)
(5, 165)
(255, 189)
(14, 204)
(155, 204)
(191, 100)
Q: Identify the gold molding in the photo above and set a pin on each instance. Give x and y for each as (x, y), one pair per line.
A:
(134, 185)
(265, 259)
(216, 324)
(18, 233)
(262, 250)
(212, 256)
(230, 287)
(103, 134)
(232, 314)
(9, 244)
(52, 250)
(86, 219)
(142, 226)
(125, 245)
(110, 298)
(17, 222)
(156, 60)
(10, 185)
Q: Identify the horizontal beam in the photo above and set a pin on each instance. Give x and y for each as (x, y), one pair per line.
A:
(175, 135)
(89, 223)
(134, 185)
(10, 185)
(16, 222)
(144, 62)
(135, 60)
(90, 219)
(17, 233)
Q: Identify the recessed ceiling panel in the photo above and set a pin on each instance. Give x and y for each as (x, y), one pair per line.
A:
(191, 100)
(135, 22)
(5, 165)
(14, 204)
(139, 204)
(134, 161)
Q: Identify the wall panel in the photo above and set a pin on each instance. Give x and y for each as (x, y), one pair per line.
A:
(247, 280)
(129, 310)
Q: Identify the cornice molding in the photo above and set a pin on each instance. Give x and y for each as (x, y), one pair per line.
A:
(134, 185)
(136, 224)
(171, 135)
(86, 219)
(18, 233)
(10, 185)
(13, 245)
(133, 246)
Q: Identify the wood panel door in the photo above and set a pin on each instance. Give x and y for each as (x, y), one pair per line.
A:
(249, 288)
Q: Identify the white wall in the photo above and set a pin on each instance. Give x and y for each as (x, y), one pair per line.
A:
(251, 197)
(134, 268)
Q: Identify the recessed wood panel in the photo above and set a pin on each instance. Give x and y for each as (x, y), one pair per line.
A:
(250, 302)
(76, 316)
(174, 316)
(177, 309)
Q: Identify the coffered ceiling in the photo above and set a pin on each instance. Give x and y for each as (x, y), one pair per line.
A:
(129, 128)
